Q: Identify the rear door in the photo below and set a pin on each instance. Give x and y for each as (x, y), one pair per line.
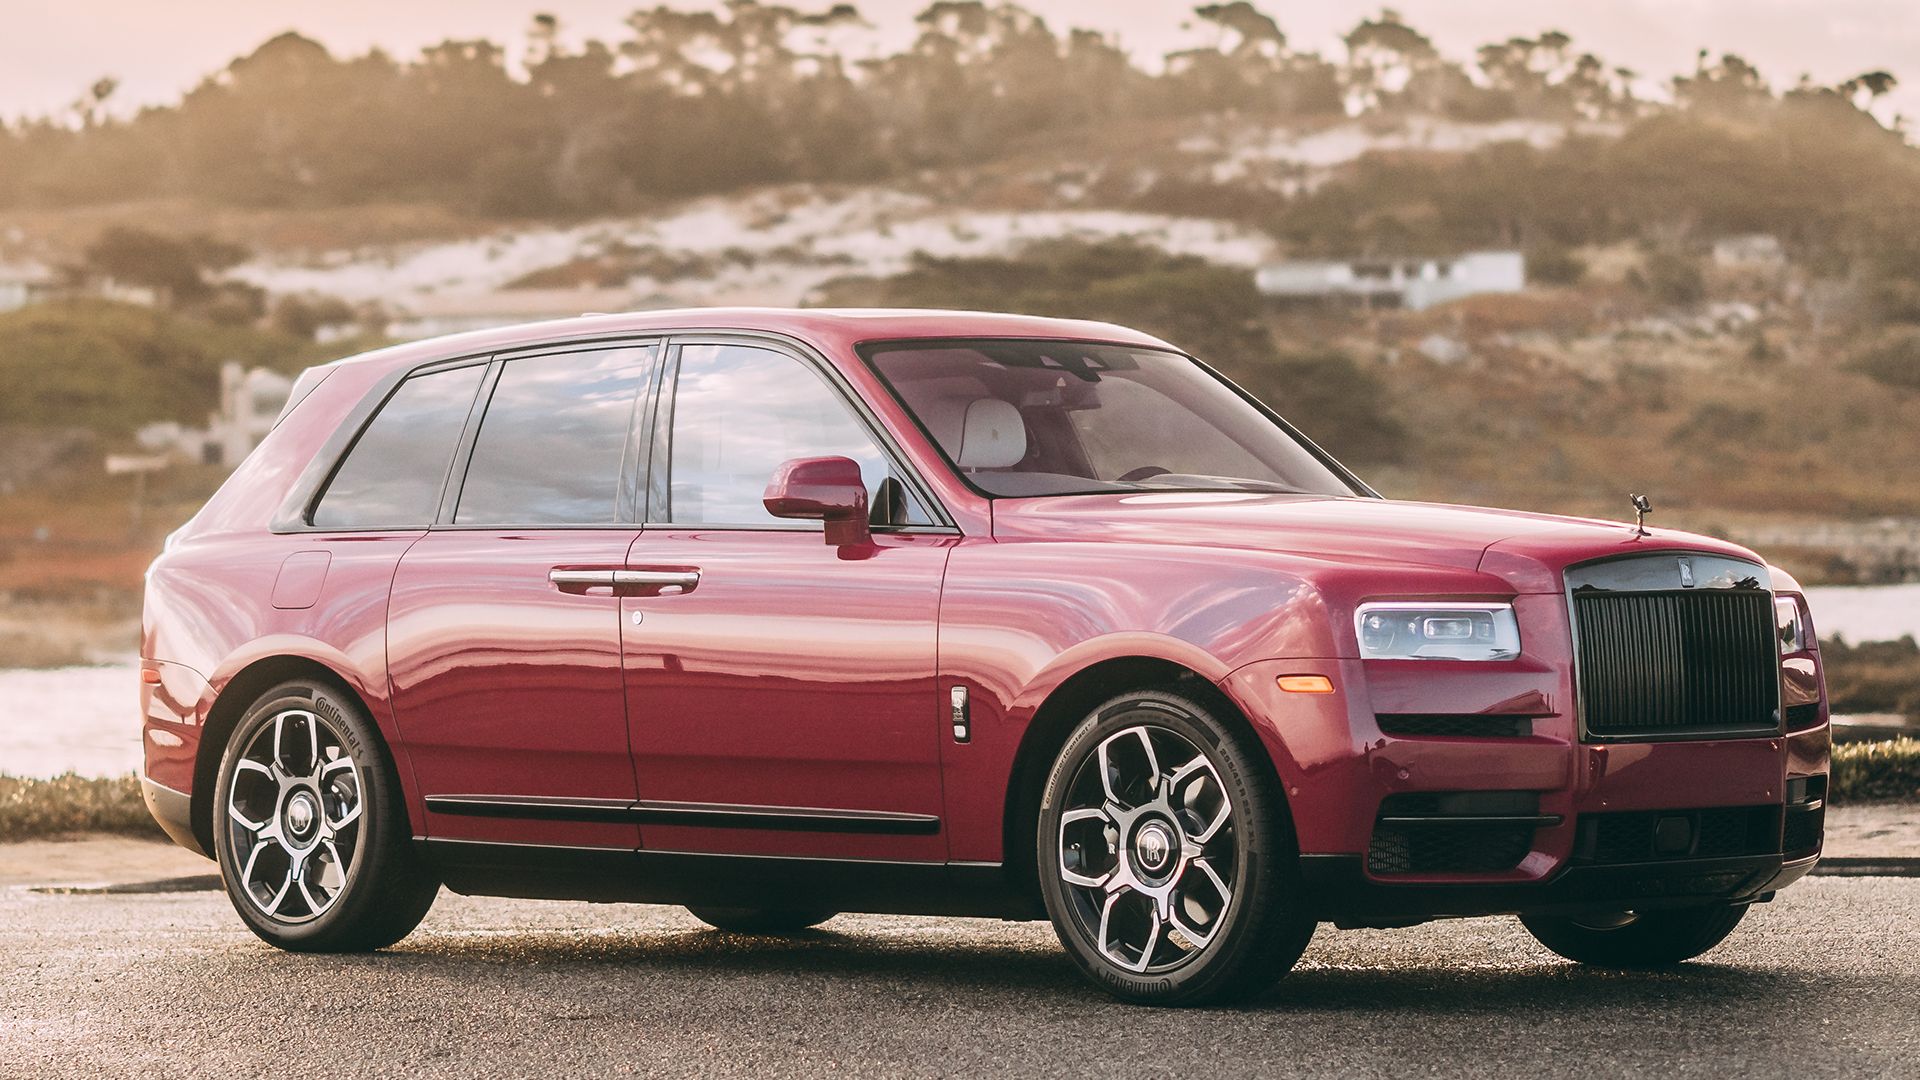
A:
(781, 691)
(503, 626)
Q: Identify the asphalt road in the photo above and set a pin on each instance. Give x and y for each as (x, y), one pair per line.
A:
(1824, 982)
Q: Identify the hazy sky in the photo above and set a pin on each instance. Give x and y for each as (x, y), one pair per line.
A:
(52, 49)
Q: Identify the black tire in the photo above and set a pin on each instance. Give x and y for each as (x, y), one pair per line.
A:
(1257, 929)
(1636, 940)
(742, 920)
(384, 890)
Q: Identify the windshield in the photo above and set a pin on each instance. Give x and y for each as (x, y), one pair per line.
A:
(1062, 417)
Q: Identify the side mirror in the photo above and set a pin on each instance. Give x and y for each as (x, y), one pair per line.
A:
(827, 489)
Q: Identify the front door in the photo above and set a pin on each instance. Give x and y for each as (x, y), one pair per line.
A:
(780, 691)
(503, 626)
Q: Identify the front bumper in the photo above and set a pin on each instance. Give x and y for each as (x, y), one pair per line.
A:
(1350, 781)
(1343, 893)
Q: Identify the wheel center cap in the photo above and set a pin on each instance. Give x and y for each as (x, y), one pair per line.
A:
(1153, 846)
(301, 814)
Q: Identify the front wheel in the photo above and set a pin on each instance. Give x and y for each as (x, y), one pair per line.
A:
(1636, 940)
(1166, 855)
(310, 829)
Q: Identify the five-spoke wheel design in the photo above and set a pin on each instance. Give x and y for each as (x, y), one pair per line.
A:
(293, 812)
(1147, 849)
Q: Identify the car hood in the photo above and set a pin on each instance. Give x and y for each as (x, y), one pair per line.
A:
(1526, 550)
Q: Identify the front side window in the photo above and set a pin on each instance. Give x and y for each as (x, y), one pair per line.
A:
(391, 477)
(554, 439)
(738, 413)
(1062, 417)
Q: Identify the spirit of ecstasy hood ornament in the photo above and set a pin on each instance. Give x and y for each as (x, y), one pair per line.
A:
(1642, 506)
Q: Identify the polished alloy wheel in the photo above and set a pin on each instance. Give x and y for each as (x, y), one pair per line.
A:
(294, 815)
(1148, 849)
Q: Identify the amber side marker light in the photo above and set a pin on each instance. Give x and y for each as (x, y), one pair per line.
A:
(1306, 684)
(150, 676)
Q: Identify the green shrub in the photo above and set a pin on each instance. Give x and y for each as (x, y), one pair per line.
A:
(71, 803)
(1877, 770)
(1894, 360)
(1672, 278)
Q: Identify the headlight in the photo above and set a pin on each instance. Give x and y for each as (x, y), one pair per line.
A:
(1792, 628)
(1437, 631)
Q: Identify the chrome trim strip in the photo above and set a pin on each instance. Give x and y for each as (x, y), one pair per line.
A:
(689, 814)
(535, 807)
(1537, 820)
(796, 818)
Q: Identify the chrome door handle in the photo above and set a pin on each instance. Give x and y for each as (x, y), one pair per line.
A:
(581, 579)
(686, 579)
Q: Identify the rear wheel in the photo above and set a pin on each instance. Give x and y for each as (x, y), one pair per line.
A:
(310, 829)
(761, 920)
(1167, 859)
(1630, 939)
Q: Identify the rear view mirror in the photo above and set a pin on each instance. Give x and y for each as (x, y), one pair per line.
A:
(825, 489)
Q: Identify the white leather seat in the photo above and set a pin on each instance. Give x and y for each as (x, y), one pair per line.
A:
(977, 432)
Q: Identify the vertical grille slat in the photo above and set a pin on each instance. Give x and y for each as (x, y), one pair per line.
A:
(1673, 663)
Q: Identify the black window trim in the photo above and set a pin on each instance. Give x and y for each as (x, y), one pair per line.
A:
(661, 449)
(866, 350)
(295, 514)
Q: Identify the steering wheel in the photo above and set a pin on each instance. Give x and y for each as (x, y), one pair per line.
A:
(1144, 472)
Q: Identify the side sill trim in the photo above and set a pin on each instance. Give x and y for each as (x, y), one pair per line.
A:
(711, 815)
(485, 868)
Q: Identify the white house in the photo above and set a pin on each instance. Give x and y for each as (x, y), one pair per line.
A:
(1414, 283)
(25, 283)
(250, 401)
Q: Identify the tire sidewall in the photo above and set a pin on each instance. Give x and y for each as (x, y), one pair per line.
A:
(1264, 842)
(378, 798)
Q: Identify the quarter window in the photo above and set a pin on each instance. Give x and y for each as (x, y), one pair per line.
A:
(739, 412)
(391, 477)
(554, 439)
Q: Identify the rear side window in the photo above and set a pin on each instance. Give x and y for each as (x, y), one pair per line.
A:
(392, 476)
(553, 441)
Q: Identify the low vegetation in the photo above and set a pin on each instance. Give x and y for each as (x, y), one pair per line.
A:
(1866, 772)
(31, 808)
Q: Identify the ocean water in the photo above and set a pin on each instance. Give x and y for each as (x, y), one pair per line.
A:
(86, 719)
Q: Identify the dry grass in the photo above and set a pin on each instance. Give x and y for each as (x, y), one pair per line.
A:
(31, 809)
(1876, 771)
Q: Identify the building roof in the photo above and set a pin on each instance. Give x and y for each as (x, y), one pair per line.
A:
(831, 329)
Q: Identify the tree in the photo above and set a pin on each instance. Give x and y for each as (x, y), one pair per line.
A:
(179, 267)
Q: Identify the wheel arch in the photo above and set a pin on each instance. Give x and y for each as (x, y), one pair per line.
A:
(235, 694)
(1064, 706)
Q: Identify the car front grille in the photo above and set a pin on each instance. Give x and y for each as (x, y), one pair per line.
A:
(1683, 663)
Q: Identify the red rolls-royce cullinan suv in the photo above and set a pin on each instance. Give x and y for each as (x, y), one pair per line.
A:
(777, 614)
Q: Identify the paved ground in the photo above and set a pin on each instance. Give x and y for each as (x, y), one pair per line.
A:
(1826, 981)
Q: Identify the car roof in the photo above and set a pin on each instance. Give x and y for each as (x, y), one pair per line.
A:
(825, 328)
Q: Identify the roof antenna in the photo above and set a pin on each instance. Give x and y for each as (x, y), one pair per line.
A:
(1642, 506)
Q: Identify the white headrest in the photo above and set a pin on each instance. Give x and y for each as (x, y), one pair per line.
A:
(992, 435)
